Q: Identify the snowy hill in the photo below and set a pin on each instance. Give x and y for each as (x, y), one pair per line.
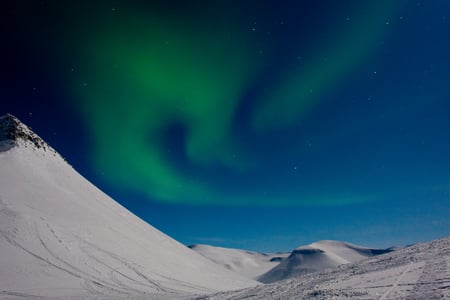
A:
(247, 263)
(420, 271)
(62, 237)
(318, 256)
(273, 267)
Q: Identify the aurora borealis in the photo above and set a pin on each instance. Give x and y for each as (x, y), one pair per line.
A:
(203, 107)
(155, 71)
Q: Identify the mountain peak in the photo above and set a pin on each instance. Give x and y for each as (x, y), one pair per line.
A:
(61, 237)
(13, 132)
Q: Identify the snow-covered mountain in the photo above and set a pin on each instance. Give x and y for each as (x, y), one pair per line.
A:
(318, 256)
(421, 271)
(247, 263)
(62, 237)
(271, 267)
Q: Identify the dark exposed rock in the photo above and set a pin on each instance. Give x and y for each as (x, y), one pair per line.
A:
(12, 131)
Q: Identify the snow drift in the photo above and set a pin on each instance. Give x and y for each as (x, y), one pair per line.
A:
(318, 256)
(246, 263)
(60, 236)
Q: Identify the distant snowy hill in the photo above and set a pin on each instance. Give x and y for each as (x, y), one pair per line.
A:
(62, 237)
(271, 267)
(247, 263)
(318, 256)
(419, 272)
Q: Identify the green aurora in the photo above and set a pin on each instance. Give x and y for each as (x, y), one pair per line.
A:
(152, 71)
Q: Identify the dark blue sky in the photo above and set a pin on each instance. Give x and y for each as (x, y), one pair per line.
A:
(266, 125)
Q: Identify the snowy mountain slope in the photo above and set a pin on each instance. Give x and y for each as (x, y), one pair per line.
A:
(318, 256)
(62, 237)
(247, 263)
(420, 271)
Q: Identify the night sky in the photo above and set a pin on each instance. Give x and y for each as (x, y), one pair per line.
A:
(253, 124)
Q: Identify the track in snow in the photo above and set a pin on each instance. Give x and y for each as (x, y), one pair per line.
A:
(397, 282)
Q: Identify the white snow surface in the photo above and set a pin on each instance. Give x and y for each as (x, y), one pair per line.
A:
(247, 263)
(318, 256)
(420, 272)
(62, 238)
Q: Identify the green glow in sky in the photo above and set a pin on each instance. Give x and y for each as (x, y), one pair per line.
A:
(340, 53)
(143, 82)
(150, 73)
